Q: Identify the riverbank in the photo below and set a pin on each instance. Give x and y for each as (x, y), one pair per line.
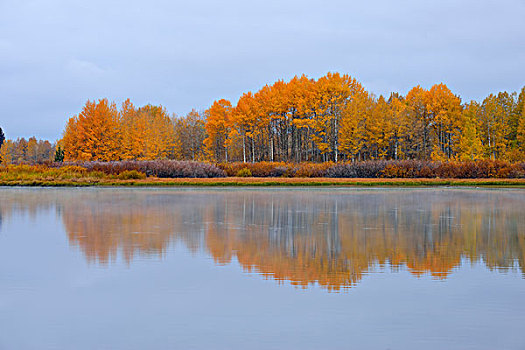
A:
(271, 181)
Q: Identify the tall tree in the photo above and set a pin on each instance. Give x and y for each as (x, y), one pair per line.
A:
(246, 122)
(470, 147)
(521, 136)
(159, 138)
(94, 133)
(494, 125)
(444, 109)
(6, 152)
(401, 134)
(217, 129)
(420, 119)
(190, 134)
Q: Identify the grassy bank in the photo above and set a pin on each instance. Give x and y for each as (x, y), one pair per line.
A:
(243, 181)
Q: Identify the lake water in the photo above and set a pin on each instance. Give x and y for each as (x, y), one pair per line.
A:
(262, 268)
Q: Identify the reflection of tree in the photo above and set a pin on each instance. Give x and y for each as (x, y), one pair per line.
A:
(144, 225)
(332, 238)
(29, 202)
(335, 240)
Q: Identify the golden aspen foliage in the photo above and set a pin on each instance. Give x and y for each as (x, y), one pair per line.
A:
(26, 151)
(70, 140)
(217, 129)
(93, 134)
(130, 131)
(335, 93)
(420, 144)
(32, 149)
(245, 122)
(380, 130)
(158, 140)
(101, 132)
(332, 118)
(401, 132)
(493, 123)
(353, 138)
(444, 110)
(6, 152)
(521, 135)
(470, 147)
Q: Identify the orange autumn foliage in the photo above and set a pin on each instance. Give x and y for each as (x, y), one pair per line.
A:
(333, 118)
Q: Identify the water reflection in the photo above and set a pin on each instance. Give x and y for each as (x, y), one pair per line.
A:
(329, 237)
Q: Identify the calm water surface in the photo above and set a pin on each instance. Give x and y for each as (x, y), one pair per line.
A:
(262, 269)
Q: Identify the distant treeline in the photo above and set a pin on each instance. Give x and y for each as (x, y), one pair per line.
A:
(332, 118)
(26, 151)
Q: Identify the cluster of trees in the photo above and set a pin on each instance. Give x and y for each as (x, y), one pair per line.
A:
(190, 134)
(25, 151)
(102, 132)
(335, 118)
(329, 119)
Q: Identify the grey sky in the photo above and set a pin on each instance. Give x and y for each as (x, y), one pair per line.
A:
(56, 54)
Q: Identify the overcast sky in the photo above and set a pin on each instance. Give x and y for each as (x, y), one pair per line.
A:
(55, 55)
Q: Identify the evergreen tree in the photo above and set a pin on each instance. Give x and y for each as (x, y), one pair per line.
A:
(59, 154)
(2, 137)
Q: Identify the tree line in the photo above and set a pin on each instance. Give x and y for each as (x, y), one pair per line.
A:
(102, 132)
(332, 118)
(26, 151)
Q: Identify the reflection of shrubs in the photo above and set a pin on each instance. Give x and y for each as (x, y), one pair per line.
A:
(131, 175)
(244, 172)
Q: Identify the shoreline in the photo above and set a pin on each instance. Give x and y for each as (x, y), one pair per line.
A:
(262, 182)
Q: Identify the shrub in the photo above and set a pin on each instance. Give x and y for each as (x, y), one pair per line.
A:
(158, 168)
(131, 174)
(312, 169)
(282, 171)
(366, 169)
(277, 169)
(260, 169)
(244, 172)
(72, 169)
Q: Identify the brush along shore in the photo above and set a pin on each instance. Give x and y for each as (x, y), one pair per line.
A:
(174, 173)
(271, 181)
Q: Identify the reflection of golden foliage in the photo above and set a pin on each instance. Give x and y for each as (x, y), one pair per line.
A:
(103, 225)
(100, 230)
(330, 238)
(306, 238)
